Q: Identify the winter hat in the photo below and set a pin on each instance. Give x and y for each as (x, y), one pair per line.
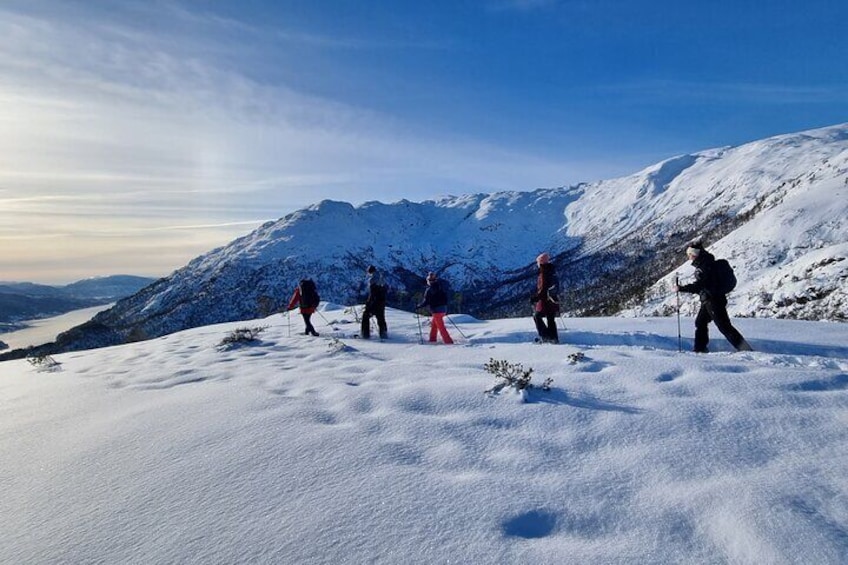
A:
(543, 259)
(371, 269)
(694, 249)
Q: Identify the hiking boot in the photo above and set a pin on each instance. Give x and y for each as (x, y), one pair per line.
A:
(744, 346)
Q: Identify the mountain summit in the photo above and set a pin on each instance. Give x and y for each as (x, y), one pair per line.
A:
(776, 208)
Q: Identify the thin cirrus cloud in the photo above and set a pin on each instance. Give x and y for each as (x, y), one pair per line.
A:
(111, 133)
(129, 105)
(522, 5)
(689, 92)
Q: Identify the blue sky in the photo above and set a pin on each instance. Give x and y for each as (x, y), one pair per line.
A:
(138, 134)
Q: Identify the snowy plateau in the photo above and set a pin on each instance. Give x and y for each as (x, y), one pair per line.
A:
(332, 450)
(777, 209)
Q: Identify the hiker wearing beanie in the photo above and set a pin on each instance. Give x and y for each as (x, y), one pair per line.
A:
(375, 304)
(712, 289)
(545, 301)
(436, 298)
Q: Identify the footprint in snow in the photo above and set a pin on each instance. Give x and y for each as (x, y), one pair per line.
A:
(530, 525)
(668, 376)
(839, 382)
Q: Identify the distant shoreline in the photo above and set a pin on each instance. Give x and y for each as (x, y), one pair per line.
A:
(38, 331)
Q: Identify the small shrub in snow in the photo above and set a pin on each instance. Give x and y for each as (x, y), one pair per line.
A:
(576, 357)
(338, 346)
(352, 310)
(44, 363)
(242, 336)
(512, 375)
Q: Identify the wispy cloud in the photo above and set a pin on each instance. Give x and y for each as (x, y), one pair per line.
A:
(523, 5)
(115, 131)
(215, 23)
(737, 92)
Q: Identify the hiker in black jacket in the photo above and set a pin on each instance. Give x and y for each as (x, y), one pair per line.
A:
(375, 304)
(544, 299)
(713, 301)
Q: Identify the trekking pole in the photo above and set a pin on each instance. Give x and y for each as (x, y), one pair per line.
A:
(288, 315)
(420, 333)
(679, 335)
(457, 327)
(326, 321)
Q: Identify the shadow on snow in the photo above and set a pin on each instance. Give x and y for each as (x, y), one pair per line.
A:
(561, 397)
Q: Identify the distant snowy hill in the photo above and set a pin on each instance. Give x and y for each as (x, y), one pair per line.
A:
(107, 288)
(775, 208)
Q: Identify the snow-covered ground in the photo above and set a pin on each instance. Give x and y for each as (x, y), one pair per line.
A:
(322, 450)
(45, 330)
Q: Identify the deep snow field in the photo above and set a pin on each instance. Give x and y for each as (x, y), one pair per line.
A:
(323, 450)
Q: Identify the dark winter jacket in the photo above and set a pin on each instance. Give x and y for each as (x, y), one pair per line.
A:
(704, 283)
(547, 289)
(436, 297)
(376, 292)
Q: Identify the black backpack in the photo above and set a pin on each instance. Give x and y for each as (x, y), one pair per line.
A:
(439, 293)
(309, 297)
(553, 287)
(724, 280)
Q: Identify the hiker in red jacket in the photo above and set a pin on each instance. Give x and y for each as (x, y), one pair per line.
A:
(306, 295)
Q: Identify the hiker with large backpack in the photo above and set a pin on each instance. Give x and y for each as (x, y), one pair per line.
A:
(436, 298)
(306, 295)
(375, 304)
(714, 278)
(545, 301)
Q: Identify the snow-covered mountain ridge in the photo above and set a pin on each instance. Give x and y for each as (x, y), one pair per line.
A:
(776, 208)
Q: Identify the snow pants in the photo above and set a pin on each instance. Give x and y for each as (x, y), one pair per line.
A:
(547, 331)
(715, 310)
(307, 320)
(380, 315)
(437, 324)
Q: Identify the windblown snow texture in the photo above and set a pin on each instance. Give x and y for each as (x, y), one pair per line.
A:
(294, 449)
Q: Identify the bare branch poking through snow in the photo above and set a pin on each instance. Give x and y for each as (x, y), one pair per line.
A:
(511, 375)
(241, 336)
(44, 363)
